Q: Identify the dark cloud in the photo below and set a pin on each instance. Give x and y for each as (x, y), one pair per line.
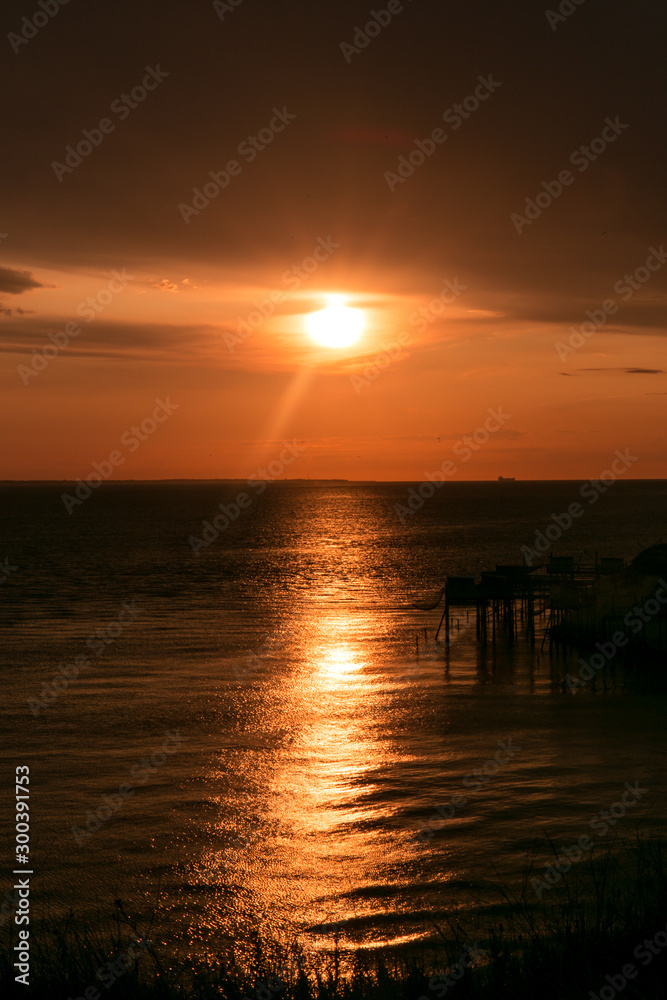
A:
(16, 282)
(15, 312)
(325, 172)
(571, 311)
(101, 339)
(624, 371)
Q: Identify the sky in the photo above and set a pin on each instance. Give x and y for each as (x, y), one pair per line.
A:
(185, 183)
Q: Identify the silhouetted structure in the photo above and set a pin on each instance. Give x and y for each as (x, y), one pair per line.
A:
(587, 602)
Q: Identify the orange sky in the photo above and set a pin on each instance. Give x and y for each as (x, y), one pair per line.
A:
(392, 420)
(320, 185)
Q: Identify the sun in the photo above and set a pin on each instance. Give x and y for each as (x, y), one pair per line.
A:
(336, 326)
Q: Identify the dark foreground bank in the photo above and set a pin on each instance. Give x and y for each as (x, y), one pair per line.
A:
(593, 928)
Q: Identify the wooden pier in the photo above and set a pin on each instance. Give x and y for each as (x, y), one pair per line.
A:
(573, 603)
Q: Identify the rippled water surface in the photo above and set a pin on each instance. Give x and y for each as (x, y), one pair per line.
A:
(309, 742)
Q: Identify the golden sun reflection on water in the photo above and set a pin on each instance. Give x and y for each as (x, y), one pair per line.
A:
(324, 845)
(339, 659)
(345, 837)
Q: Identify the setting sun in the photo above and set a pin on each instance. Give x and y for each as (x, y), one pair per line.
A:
(337, 325)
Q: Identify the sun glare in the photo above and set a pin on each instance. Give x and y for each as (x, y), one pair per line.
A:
(336, 326)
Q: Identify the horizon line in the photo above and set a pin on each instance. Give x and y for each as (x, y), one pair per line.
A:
(329, 479)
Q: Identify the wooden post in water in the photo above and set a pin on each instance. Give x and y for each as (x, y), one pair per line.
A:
(447, 618)
(445, 614)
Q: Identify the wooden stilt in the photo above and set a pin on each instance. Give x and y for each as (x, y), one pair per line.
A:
(445, 614)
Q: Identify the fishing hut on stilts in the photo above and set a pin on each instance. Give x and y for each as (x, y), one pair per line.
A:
(569, 601)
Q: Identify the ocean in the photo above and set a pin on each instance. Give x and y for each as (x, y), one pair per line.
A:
(250, 737)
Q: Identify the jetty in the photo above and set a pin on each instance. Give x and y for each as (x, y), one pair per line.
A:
(566, 601)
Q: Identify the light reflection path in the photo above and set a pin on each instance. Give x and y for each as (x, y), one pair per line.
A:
(345, 837)
(316, 846)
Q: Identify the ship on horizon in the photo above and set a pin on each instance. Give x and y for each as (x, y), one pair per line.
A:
(506, 479)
